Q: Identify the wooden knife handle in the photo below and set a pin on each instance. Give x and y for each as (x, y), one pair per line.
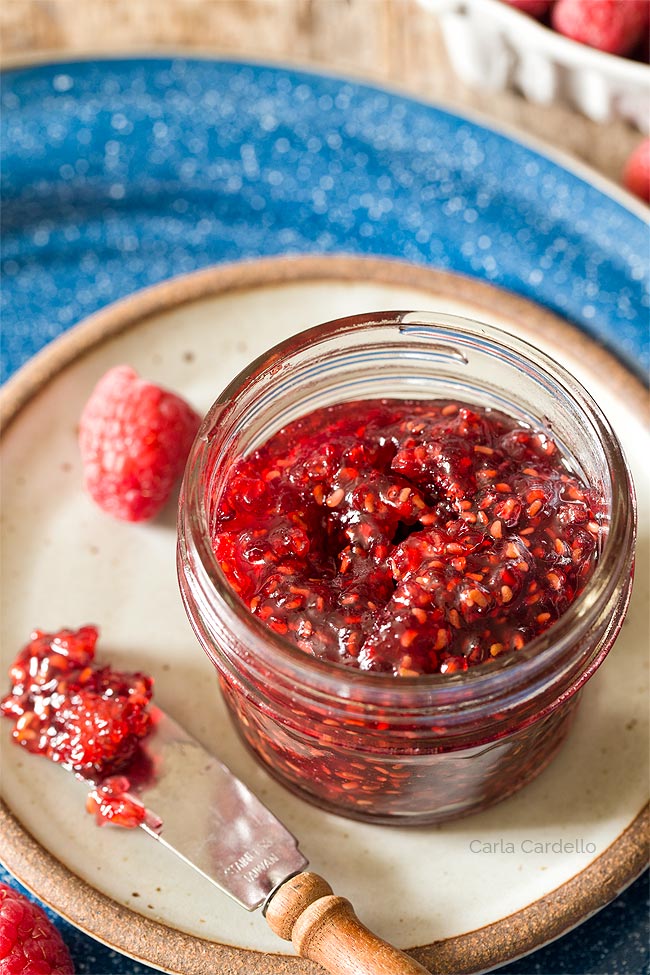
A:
(325, 929)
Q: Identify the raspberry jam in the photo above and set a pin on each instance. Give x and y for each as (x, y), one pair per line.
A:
(406, 542)
(406, 537)
(87, 718)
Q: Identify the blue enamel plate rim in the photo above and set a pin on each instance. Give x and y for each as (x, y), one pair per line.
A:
(561, 158)
(613, 207)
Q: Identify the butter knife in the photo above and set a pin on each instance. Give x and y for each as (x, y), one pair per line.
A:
(213, 822)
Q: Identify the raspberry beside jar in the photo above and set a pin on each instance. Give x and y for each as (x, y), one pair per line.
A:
(423, 748)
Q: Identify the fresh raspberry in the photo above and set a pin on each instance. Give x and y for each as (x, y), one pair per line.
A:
(134, 439)
(536, 8)
(636, 175)
(29, 942)
(615, 26)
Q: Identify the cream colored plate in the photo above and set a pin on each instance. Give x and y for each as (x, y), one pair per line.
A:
(66, 563)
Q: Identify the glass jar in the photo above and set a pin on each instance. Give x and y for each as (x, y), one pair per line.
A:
(408, 750)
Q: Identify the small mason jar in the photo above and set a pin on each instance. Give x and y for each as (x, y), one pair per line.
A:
(407, 750)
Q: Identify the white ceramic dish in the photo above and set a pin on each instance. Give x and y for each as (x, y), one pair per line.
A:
(471, 894)
(493, 46)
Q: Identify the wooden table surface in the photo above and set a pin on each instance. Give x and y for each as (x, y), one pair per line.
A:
(395, 42)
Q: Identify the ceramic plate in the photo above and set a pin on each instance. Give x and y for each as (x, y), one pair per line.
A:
(453, 893)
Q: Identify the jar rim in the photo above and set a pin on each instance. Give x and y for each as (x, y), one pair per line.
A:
(540, 653)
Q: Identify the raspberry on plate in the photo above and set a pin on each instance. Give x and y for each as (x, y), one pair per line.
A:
(134, 439)
(29, 942)
(636, 175)
(615, 26)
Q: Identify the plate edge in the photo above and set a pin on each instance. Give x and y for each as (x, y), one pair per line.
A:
(153, 943)
(623, 860)
(115, 318)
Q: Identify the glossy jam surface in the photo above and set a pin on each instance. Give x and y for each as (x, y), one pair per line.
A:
(407, 537)
(88, 718)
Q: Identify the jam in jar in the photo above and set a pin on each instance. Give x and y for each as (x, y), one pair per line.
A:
(406, 537)
(397, 546)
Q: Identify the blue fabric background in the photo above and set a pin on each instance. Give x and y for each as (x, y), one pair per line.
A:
(119, 174)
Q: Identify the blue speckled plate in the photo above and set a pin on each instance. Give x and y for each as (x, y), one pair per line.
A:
(120, 174)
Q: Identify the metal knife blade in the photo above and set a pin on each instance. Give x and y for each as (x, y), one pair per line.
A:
(215, 823)
(212, 820)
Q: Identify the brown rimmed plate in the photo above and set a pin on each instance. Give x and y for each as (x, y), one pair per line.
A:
(470, 895)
